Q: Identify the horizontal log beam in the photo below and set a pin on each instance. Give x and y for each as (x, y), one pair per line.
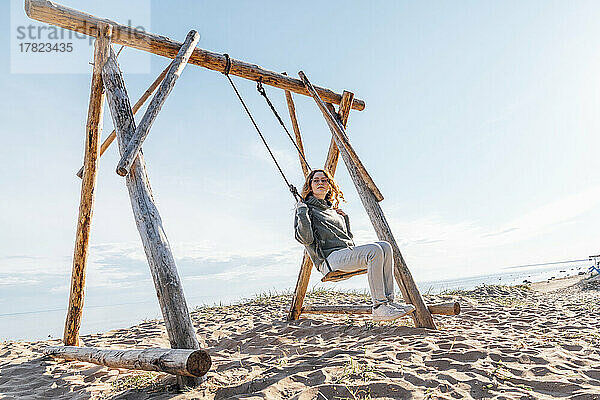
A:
(451, 308)
(181, 362)
(68, 18)
(337, 309)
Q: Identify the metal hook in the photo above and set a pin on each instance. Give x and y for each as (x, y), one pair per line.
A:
(227, 64)
(259, 87)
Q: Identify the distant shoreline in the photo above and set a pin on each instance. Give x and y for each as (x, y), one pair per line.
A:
(41, 324)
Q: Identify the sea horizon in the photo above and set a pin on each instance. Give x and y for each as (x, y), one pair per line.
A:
(30, 322)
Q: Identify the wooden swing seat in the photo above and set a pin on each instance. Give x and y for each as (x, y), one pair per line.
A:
(336, 276)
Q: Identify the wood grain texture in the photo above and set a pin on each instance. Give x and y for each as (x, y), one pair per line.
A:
(108, 141)
(410, 292)
(88, 189)
(193, 363)
(337, 309)
(451, 308)
(292, 111)
(68, 18)
(336, 276)
(301, 287)
(158, 251)
(306, 264)
(143, 129)
(343, 114)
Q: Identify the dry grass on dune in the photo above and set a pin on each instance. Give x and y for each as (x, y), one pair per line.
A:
(508, 343)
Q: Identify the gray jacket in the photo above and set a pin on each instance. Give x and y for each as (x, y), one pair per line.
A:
(321, 230)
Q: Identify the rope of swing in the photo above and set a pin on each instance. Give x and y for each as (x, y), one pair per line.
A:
(262, 91)
(291, 187)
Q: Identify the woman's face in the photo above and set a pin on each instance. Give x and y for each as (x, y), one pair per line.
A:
(319, 185)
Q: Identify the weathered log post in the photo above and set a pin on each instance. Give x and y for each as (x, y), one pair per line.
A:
(341, 137)
(306, 265)
(410, 292)
(108, 141)
(182, 362)
(292, 111)
(162, 264)
(88, 189)
(75, 20)
(345, 142)
(301, 287)
(143, 129)
(344, 111)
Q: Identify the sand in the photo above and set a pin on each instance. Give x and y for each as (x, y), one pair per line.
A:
(527, 342)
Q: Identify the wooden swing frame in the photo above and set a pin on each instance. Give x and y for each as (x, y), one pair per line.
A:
(107, 83)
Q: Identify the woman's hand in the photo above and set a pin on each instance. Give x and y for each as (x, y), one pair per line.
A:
(337, 210)
(301, 204)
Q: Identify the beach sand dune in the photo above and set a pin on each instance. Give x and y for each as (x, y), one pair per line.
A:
(537, 342)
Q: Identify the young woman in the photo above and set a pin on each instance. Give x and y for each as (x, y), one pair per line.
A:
(324, 230)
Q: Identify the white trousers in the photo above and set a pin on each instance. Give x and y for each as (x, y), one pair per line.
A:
(378, 259)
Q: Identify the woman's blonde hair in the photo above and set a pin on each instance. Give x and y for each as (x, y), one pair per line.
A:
(334, 194)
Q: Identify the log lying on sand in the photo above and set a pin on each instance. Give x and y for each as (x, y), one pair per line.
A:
(337, 309)
(78, 21)
(172, 361)
(451, 308)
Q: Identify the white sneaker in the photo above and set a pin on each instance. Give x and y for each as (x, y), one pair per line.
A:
(404, 308)
(385, 312)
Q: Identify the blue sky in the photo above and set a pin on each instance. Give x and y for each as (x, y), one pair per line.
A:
(481, 130)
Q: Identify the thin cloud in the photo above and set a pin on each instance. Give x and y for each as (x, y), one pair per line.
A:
(34, 265)
(285, 158)
(500, 233)
(13, 280)
(548, 216)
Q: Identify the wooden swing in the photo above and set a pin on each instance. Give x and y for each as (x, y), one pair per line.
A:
(107, 83)
(364, 184)
(336, 276)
